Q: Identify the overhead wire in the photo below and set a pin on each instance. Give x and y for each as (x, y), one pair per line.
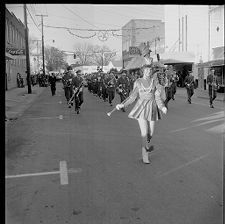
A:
(63, 27)
(33, 20)
(72, 11)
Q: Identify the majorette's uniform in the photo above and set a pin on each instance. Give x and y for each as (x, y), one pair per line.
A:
(149, 101)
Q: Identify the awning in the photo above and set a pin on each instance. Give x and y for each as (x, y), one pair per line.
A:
(213, 63)
(9, 56)
(177, 58)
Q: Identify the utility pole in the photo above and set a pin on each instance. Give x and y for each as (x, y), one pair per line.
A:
(186, 32)
(209, 34)
(27, 50)
(43, 48)
(37, 58)
(182, 33)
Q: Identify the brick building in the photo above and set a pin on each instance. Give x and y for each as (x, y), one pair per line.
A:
(15, 60)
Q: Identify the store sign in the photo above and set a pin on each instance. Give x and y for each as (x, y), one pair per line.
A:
(15, 51)
(134, 50)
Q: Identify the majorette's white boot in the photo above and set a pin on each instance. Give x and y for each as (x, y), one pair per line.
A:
(145, 156)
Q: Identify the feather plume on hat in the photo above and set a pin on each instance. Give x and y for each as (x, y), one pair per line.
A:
(144, 49)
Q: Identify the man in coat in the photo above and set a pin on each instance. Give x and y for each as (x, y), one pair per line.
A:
(67, 83)
(77, 83)
(189, 84)
(212, 86)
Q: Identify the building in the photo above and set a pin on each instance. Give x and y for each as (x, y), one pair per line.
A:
(15, 60)
(216, 32)
(216, 48)
(137, 31)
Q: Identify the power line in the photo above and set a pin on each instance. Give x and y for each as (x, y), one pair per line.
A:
(63, 27)
(68, 18)
(34, 12)
(79, 16)
(33, 19)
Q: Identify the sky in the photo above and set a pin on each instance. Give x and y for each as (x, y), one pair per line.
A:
(90, 16)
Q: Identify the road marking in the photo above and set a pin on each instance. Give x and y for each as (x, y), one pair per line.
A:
(63, 173)
(18, 101)
(36, 118)
(32, 174)
(61, 117)
(60, 102)
(184, 165)
(202, 104)
(72, 170)
(197, 125)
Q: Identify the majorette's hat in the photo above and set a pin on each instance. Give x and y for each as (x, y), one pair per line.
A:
(144, 49)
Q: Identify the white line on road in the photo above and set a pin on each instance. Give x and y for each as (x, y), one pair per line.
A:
(184, 165)
(37, 118)
(202, 104)
(197, 125)
(63, 173)
(61, 117)
(72, 170)
(32, 174)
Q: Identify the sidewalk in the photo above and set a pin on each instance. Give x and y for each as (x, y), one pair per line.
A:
(17, 100)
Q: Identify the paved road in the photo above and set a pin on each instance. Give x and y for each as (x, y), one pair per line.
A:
(86, 169)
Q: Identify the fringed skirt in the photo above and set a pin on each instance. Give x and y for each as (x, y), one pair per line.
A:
(146, 109)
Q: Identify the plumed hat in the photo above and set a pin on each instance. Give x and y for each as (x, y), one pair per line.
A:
(144, 49)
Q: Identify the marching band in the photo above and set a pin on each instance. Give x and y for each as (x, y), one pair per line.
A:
(152, 92)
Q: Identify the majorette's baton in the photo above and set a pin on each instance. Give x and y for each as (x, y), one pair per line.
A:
(109, 113)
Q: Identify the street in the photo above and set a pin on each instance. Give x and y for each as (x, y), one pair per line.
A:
(86, 168)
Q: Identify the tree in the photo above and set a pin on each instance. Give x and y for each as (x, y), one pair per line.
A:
(83, 52)
(54, 59)
(102, 55)
(93, 54)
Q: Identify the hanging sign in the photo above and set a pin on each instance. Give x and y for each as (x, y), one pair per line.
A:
(15, 51)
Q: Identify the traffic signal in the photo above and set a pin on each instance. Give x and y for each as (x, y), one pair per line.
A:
(74, 56)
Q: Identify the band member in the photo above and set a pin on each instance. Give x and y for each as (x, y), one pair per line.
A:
(175, 80)
(111, 86)
(104, 88)
(52, 81)
(122, 87)
(77, 83)
(159, 70)
(67, 83)
(168, 86)
(189, 83)
(212, 86)
(146, 110)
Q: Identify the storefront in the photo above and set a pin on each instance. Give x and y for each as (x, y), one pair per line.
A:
(203, 71)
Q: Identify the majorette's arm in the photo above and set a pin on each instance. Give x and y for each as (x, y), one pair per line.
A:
(133, 95)
(158, 98)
